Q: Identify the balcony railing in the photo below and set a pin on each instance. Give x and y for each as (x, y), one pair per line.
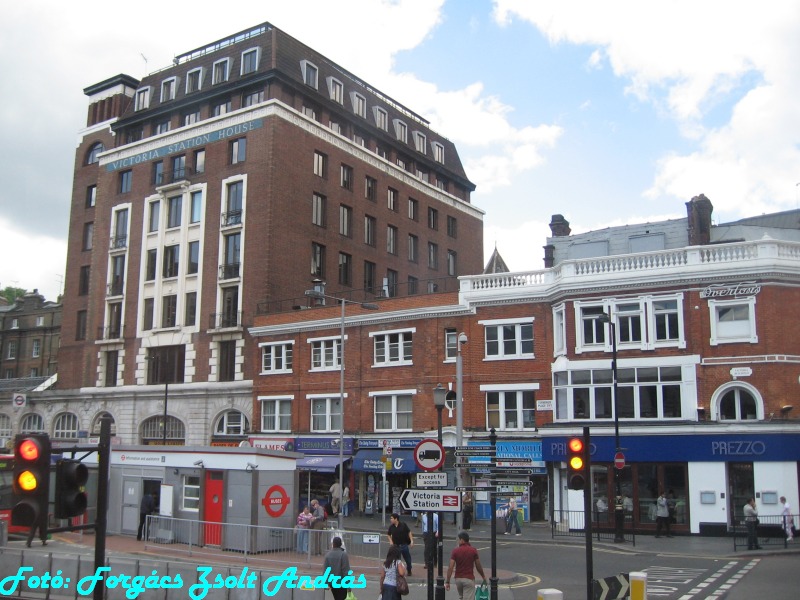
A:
(225, 320)
(110, 332)
(231, 218)
(229, 271)
(118, 242)
(116, 287)
(174, 176)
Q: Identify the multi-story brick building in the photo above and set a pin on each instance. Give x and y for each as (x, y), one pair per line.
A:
(222, 184)
(704, 330)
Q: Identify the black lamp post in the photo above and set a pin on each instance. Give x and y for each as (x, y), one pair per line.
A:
(439, 400)
(619, 509)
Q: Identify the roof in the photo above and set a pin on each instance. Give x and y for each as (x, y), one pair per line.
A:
(496, 264)
(21, 384)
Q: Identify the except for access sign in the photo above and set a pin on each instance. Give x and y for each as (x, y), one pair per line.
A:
(436, 480)
(435, 500)
(429, 455)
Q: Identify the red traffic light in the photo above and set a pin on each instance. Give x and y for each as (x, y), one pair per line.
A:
(29, 449)
(576, 463)
(576, 445)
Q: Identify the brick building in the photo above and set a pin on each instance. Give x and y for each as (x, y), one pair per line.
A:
(213, 189)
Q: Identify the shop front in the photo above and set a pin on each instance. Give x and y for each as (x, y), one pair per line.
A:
(384, 469)
(320, 467)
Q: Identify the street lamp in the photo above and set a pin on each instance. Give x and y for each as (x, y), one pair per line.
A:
(319, 293)
(461, 340)
(619, 509)
(439, 400)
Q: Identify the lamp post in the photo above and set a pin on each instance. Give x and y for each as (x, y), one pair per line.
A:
(439, 400)
(462, 339)
(619, 509)
(319, 293)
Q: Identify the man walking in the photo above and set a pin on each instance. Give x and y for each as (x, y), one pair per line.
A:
(339, 563)
(400, 535)
(788, 519)
(464, 560)
(146, 507)
(336, 495)
(430, 537)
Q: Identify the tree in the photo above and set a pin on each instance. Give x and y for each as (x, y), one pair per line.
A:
(11, 293)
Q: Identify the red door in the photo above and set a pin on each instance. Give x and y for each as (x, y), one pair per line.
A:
(212, 511)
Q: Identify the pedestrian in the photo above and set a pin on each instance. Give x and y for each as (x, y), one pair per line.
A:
(346, 501)
(511, 518)
(662, 515)
(318, 517)
(303, 525)
(146, 507)
(400, 535)
(788, 519)
(468, 508)
(430, 538)
(392, 566)
(339, 563)
(751, 522)
(336, 496)
(464, 560)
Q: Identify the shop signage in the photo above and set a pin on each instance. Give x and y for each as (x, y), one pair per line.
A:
(283, 444)
(387, 442)
(275, 501)
(320, 445)
(728, 290)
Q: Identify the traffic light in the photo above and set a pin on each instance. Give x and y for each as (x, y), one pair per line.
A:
(31, 481)
(576, 463)
(70, 498)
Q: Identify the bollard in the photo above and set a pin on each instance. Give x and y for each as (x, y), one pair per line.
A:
(550, 594)
(638, 581)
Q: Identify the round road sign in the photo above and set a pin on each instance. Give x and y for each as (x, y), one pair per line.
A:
(619, 460)
(429, 455)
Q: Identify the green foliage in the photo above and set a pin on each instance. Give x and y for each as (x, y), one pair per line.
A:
(11, 293)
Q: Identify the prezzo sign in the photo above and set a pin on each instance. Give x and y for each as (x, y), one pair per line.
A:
(722, 290)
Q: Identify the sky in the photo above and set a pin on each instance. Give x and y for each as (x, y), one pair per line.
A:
(608, 112)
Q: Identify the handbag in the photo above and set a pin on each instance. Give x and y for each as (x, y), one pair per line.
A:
(482, 592)
(402, 585)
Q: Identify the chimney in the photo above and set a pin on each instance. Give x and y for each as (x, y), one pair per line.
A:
(698, 211)
(549, 255)
(559, 226)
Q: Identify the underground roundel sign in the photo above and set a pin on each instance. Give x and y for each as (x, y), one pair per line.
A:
(275, 501)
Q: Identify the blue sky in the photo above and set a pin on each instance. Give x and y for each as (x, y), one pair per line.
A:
(605, 112)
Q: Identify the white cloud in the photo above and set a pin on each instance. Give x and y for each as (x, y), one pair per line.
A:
(32, 261)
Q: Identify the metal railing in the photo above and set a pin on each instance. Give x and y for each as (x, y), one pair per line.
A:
(225, 320)
(771, 530)
(571, 523)
(256, 542)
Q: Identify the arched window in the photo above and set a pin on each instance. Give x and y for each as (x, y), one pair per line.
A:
(5, 427)
(32, 423)
(232, 422)
(153, 432)
(737, 404)
(93, 155)
(66, 426)
(96, 424)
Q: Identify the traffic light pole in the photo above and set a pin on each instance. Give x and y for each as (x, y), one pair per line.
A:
(587, 514)
(101, 520)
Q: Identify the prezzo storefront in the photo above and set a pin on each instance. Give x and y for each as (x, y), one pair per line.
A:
(710, 475)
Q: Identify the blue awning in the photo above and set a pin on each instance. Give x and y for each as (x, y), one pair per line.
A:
(371, 460)
(323, 464)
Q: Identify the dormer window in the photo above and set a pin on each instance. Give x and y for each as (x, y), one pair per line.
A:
(438, 152)
(194, 80)
(336, 90)
(143, 98)
(168, 87)
(420, 142)
(381, 118)
(310, 73)
(359, 104)
(250, 60)
(221, 71)
(401, 131)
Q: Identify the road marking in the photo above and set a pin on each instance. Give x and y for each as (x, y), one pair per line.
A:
(528, 581)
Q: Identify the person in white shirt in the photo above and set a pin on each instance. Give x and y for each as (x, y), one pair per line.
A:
(788, 520)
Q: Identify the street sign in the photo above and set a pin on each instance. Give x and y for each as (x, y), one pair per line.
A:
(619, 461)
(514, 462)
(510, 482)
(475, 488)
(611, 588)
(486, 448)
(476, 452)
(436, 480)
(435, 500)
(503, 471)
(429, 455)
(473, 465)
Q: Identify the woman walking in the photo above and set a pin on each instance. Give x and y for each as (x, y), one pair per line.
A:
(392, 566)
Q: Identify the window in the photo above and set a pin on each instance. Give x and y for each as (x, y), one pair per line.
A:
(150, 265)
(393, 412)
(222, 108)
(309, 112)
(238, 151)
(452, 263)
(200, 161)
(190, 310)
(231, 268)
(420, 142)
(392, 279)
(401, 131)
(117, 284)
(276, 413)
(220, 71)
(194, 258)
(169, 311)
(325, 353)
(452, 227)
(391, 199)
(393, 347)
(381, 118)
(513, 409)
(226, 360)
(80, 325)
(733, 321)
(250, 61)
(253, 98)
(83, 280)
(318, 210)
(413, 248)
(119, 238)
(369, 230)
(5, 426)
(335, 127)
(11, 354)
(370, 188)
(413, 285)
(320, 164)
(310, 73)
(113, 330)
(441, 183)
(508, 339)
(336, 90)
(154, 213)
(196, 207)
(276, 358)
(233, 216)
(667, 320)
(318, 260)
(174, 205)
(391, 239)
(66, 426)
(142, 99)
(629, 322)
(738, 405)
(88, 235)
(413, 209)
(147, 314)
(345, 220)
(592, 328)
(168, 87)
(359, 104)
(326, 414)
(369, 276)
(438, 152)
(125, 181)
(347, 177)
(158, 172)
(345, 269)
(191, 116)
(191, 493)
(559, 330)
(93, 156)
(161, 127)
(178, 167)
(232, 422)
(433, 219)
(450, 344)
(91, 196)
(433, 256)
(40, 321)
(32, 423)
(171, 261)
(194, 80)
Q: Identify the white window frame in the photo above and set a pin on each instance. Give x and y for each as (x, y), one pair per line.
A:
(599, 328)
(15, 323)
(190, 493)
(559, 330)
(36, 348)
(438, 152)
(653, 314)
(66, 426)
(359, 103)
(420, 142)
(257, 51)
(310, 72)
(393, 395)
(330, 416)
(214, 79)
(400, 130)
(381, 340)
(745, 333)
(169, 89)
(229, 427)
(280, 352)
(200, 73)
(633, 313)
(335, 90)
(40, 321)
(502, 390)
(142, 101)
(500, 324)
(5, 426)
(381, 118)
(450, 344)
(31, 423)
(281, 403)
(11, 353)
(326, 353)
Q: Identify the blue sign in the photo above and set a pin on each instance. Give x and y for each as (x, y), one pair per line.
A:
(394, 443)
